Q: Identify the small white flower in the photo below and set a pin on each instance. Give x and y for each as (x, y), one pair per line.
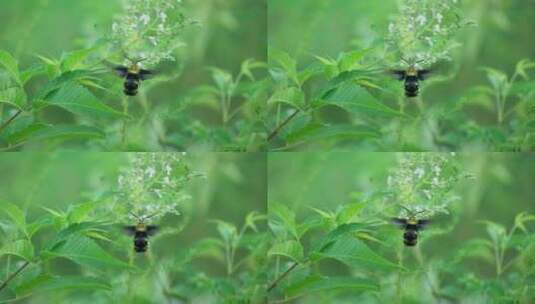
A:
(145, 19)
(421, 19)
(419, 172)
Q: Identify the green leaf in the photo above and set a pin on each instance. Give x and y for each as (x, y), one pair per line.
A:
(32, 72)
(227, 231)
(24, 133)
(59, 82)
(21, 248)
(223, 80)
(47, 282)
(84, 251)
(497, 79)
(11, 65)
(14, 96)
(77, 228)
(496, 232)
(316, 132)
(65, 132)
(287, 63)
(290, 249)
(355, 99)
(79, 100)
(282, 220)
(79, 213)
(481, 249)
(291, 96)
(72, 60)
(523, 218)
(351, 60)
(355, 253)
(312, 284)
(37, 225)
(338, 233)
(16, 215)
(348, 212)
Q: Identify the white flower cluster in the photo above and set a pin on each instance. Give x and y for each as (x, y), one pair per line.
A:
(423, 183)
(148, 31)
(424, 29)
(152, 185)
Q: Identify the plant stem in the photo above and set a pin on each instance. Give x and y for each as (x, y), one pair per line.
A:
(124, 126)
(399, 289)
(10, 120)
(283, 124)
(13, 275)
(282, 276)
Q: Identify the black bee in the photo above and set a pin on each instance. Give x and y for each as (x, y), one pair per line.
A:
(132, 75)
(141, 233)
(412, 77)
(411, 226)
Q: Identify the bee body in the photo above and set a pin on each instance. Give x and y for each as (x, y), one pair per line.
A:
(412, 226)
(411, 78)
(141, 233)
(133, 76)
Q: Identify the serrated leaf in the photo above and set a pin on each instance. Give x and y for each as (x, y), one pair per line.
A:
(71, 60)
(291, 96)
(31, 72)
(47, 282)
(79, 100)
(313, 284)
(37, 225)
(78, 213)
(66, 132)
(21, 248)
(355, 253)
(355, 99)
(286, 62)
(290, 249)
(14, 96)
(282, 220)
(350, 61)
(16, 215)
(10, 64)
(84, 251)
(338, 233)
(59, 82)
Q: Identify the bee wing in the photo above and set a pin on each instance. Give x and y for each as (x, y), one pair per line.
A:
(423, 74)
(121, 71)
(145, 74)
(422, 223)
(399, 74)
(399, 221)
(131, 230)
(151, 229)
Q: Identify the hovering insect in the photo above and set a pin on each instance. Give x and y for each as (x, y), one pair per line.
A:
(141, 232)
(132, 75)
(412, 226)
(411, 77)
